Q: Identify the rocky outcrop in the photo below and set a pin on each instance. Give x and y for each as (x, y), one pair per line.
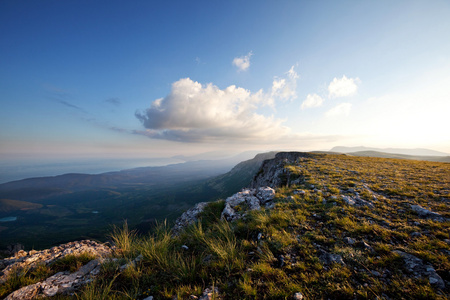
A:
(272, 172)
(189, 217)
(62, 282)
(239, 204)
(236, 207)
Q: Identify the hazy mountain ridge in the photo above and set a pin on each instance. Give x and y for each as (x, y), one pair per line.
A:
(404, 151)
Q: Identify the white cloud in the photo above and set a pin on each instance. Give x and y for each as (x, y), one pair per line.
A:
(342, 109)
(343, 87)
(193, 112)
(243, 62)
(312, 100)
(285, 88)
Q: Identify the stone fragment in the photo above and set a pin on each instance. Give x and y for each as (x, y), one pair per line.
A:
(298, 296)
(189, 217)
(349, 240)
(330, 258)
(425, 213)
(415, 234)
(249, 199)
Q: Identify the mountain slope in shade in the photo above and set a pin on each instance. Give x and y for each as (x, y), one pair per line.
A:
(9, 205)
(413, 152)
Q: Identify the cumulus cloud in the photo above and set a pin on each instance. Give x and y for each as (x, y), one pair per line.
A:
(343, 87)
(243, 62)
(193, 112)
(342, 109)
(312, 100)
(285, 88)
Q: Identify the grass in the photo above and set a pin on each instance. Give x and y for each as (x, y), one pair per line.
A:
(272, 254)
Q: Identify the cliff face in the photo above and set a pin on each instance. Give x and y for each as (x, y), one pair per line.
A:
(272, 172)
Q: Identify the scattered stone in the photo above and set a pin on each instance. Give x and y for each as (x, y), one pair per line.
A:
(416, 266)
(415, 234)
(330, 258)
(348, 200)
(210, 293)
(299, 192)
(148, 298)
(356, 201)
(367, 247)
(298, 296)
(349, 240)
(425, 213)
(375, 273)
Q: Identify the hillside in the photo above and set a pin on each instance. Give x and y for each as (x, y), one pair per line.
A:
(333, 227)
(81, 206)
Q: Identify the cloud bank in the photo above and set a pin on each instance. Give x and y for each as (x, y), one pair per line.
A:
(193, 112)
(243, 62)
(343, 87)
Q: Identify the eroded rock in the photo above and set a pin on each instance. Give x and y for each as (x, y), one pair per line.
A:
(33, 258)
(237, 205)
(189, 217)
(425, 213)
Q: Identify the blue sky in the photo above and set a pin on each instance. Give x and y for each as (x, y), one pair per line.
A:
(160, 78)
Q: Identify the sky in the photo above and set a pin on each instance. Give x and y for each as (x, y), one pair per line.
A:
(123, 79)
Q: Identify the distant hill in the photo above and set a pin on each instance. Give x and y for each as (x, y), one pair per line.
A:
(400, 156)
(413, 152)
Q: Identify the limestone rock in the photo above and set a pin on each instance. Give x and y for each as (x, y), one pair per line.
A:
(425, 213)
(210, 293)
(33, 258)
(273, 174)
(330, 258)
(298, 296)
(62, 282)
(415, 265)
(189, 217)
(237, 205)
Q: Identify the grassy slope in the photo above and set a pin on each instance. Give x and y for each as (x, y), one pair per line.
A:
(285, 259)
(9, 205)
